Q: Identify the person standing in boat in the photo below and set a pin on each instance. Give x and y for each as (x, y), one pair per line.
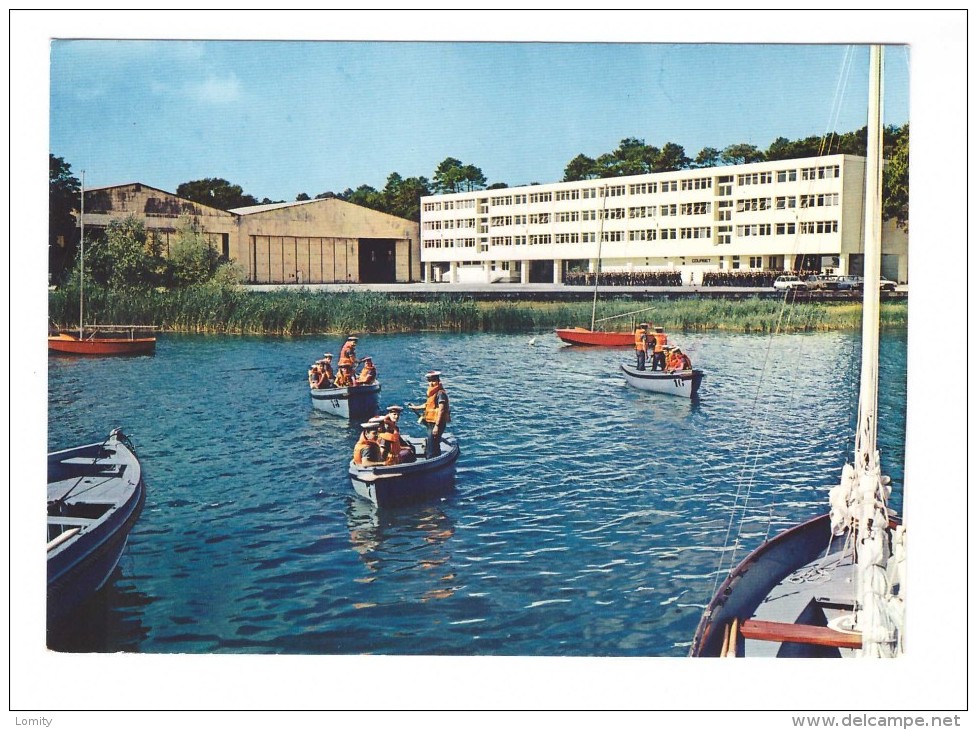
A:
(347, 355)
(661, 341)
(641, 344)
(435, 413)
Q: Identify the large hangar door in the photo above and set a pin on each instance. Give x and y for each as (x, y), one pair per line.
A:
(378, 261)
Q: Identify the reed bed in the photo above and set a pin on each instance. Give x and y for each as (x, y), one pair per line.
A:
(223, 309)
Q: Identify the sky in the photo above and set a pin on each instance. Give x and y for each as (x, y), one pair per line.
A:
(518, 95)
(281, 118)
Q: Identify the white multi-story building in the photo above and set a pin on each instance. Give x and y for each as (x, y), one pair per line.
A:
(804, 214)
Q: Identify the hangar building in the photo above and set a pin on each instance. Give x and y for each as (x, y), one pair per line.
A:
(303, 242)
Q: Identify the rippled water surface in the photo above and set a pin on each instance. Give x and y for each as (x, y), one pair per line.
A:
(588, 519)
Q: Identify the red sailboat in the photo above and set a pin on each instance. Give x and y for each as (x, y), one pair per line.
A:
(107, 340)
(100, 339)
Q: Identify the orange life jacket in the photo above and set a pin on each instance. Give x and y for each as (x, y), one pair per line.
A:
(343, 379)
(358, 449)
(661, 339)
(430, 407)
(327, 370)
(640, 338)
(673, 362)
(348, 351)
(367, 375)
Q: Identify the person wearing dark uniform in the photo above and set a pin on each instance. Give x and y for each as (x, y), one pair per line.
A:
(435, 413)
(661, 341)
(641, 344)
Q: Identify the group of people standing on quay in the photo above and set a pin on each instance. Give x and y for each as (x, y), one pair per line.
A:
(760, 279)
(624, 278)
(380, 443)
(665, 357)
(322, 377)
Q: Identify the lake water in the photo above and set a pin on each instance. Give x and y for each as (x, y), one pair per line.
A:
(589, 519)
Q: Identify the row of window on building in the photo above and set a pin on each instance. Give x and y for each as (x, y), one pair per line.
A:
(723, 234)
(723, 212)
(724, 184)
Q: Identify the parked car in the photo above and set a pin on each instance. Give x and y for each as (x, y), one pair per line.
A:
(887, 285)
(821, 281)
(789, 281)
(850, 283)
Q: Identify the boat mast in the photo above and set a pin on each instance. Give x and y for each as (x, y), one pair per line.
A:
(81, 268)
(600, 242)
(879, 609)
(868, 392)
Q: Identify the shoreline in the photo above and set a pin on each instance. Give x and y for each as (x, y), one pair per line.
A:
(343, 309)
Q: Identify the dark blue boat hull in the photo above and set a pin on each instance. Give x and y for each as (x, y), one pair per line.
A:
(388, 486)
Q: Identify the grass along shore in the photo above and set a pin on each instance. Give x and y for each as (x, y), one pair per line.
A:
(230, 310)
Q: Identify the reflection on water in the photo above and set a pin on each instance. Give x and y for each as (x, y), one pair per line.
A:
(588, 518)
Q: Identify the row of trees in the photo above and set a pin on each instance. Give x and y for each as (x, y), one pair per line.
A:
(634, 157)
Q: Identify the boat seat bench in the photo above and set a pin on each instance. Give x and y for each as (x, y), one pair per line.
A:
(799, 634)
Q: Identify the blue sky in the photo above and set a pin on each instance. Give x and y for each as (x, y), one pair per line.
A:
(281, 118)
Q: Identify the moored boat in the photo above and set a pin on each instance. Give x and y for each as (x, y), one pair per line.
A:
(832, 586)
(97, 340)
(683, 383)
(582, 336)
(411, 482)
(95, 494)
(112, 340)
(356, 402)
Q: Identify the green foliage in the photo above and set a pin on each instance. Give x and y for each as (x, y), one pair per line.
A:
(453, 176)
(895, 180)
(63, 200)
(125, 258)
(216, 193)
(740, 154)
(580, 167)
(192, 259)
(219, 305)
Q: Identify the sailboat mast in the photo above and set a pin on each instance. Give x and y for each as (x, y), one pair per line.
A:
(868, 392)
(81, 267)
(600, 242)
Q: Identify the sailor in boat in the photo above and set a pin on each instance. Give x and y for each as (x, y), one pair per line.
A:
(676, 360)
(404, 450)
(344, 379)
(641, 344)
(368, 374)
(661, 341)
(325, 364)
(348, 353)
(321, 375)
(389, 455)
(366, 452)
(435, 413)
